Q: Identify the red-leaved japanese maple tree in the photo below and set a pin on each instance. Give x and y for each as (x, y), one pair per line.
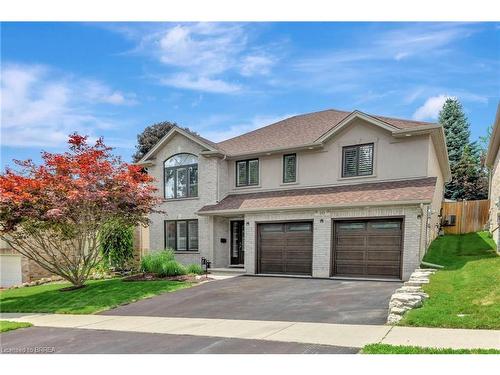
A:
(52, 213)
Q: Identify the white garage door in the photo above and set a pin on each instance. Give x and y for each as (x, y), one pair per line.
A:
(10, 270)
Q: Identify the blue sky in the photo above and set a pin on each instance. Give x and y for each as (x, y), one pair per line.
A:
(223, 79)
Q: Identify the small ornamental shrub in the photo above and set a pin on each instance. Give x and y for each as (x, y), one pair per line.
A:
(173, 268)
(194, 268)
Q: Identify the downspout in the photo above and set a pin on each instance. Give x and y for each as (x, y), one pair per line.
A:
(424, 230)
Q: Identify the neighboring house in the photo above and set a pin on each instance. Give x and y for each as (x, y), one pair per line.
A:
(16, 269)
(492, 161)
(325, 194)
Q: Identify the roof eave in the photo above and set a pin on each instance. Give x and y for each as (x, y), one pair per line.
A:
(316, 207)
(309, 146)
(494, 143)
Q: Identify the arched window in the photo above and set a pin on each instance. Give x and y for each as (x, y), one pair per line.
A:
(181, 176)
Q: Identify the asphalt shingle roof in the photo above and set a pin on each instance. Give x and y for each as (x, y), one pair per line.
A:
(417, 190)
(297, 131)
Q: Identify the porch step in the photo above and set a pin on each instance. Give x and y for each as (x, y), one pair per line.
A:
(228, 270)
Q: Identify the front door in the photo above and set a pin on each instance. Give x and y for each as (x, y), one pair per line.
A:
(237, 241)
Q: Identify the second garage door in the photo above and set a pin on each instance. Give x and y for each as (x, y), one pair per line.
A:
(285, 248)
(368, 248)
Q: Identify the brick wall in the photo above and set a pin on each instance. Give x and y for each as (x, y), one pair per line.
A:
(186, 208)
(322, 234)
(494, 199)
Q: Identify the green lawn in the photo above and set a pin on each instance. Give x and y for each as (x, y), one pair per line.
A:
(96, 296)
(5, 325)
(466, 293)
(397, 349)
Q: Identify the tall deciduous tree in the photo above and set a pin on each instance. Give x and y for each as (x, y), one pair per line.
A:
(52, 213)
(150, 136)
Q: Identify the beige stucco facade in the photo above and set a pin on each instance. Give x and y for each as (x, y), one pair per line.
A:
(395, 158)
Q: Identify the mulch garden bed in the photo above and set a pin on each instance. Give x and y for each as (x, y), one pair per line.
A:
(154, 277)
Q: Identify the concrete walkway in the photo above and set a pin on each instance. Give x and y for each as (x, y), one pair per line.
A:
(346, 335)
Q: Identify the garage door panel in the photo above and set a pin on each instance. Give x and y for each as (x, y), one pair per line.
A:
(383, 270)
(368, 248)
(384, 240)
(350, 255)
(298, 243)
(350, 269)
(349, 240)
(387, 256)
(287, 251)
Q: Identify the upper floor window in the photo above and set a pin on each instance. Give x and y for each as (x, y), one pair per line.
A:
(181, 176)
(289, 168)
(357, 160)
(247, 172)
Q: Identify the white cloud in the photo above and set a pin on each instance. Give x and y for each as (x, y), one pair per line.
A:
(420, 39)
(431, 108)
(202, 55)
(98, 92)
(256, 64)
(40, 107)
(186, 81)
(256, 122)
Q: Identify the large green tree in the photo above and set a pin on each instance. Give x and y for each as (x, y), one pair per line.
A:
(464, 156)
(150, 136)
(470, 177)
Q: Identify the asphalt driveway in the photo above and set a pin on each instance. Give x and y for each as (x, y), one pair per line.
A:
(273, 298)
(36, 340)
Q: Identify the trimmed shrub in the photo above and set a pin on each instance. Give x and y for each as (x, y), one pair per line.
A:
(162, 263)
(194, 268)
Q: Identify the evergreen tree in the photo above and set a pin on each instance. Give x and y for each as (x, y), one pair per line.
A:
(456, 130)
(471, 181)
(468, 177)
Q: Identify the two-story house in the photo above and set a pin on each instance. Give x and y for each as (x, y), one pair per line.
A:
(324, 194)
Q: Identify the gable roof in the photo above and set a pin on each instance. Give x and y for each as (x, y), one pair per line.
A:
(307, 129)
(207, 144)
(494, 143)
(412, 191)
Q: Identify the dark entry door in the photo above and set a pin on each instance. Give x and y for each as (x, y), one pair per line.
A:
(237, 241)
(368, 248)
(285, 248)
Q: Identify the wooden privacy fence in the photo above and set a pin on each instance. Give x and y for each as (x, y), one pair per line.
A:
(465, 216)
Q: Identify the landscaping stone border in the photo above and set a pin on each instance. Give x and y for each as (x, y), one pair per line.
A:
(410, 295)
(46, 280)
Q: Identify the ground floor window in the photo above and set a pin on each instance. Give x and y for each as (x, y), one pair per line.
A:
(181, 235)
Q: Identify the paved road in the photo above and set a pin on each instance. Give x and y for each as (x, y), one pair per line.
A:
(273, 298)
(76, 341)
